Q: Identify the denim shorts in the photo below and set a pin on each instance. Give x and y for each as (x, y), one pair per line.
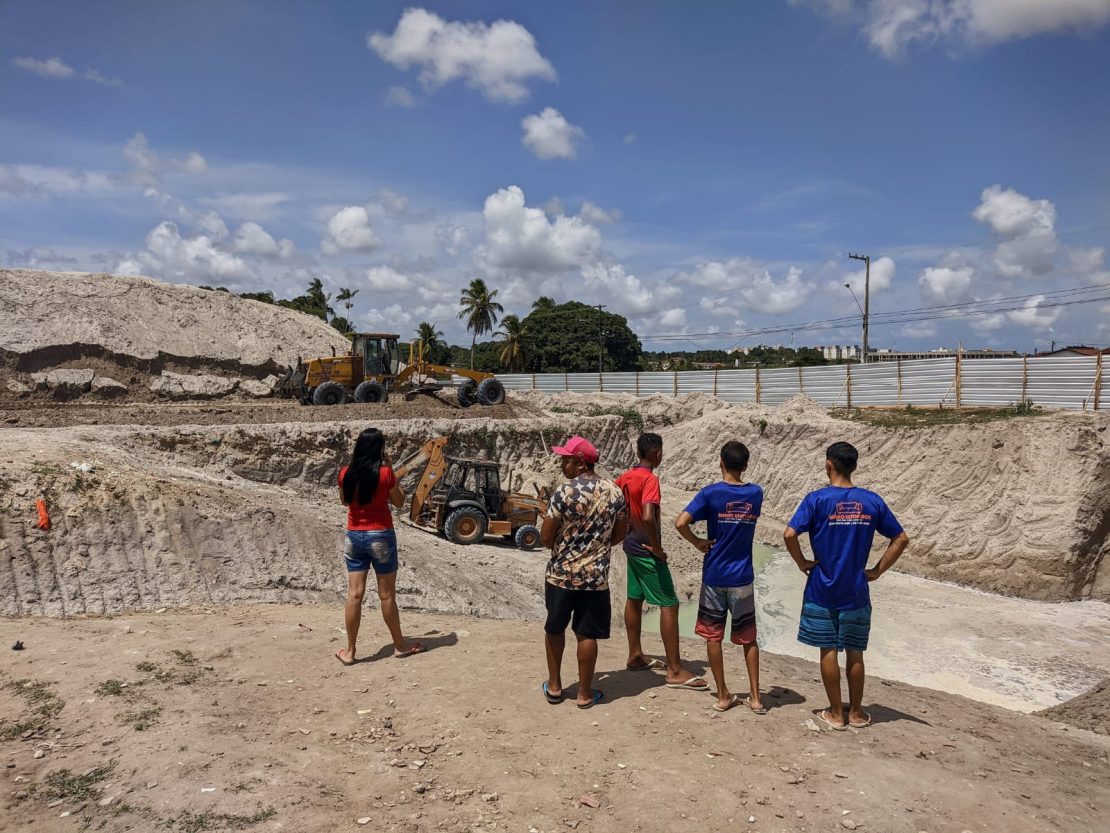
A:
(375, 548)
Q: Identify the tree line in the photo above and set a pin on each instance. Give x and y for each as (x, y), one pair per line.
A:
(568, 337)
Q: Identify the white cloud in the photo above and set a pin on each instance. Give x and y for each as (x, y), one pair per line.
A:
(1031, 315)
(629, 138)
(392, 202)
(497, 59)
(893, 26)
(882, 277)
(673, 319)
(1028, 229)
(170, 256)
(550, 136)
(522, 238)
(454, 239)
(98, 78)
(12, 183)
(194, 163)
(388, 279)
(349, 229)
(1090, 264)
(213, 225)
(947, 284)
(752, 283)
(627, 294)
(920, 329)
(146, 167)
(597, 216)
(985, 324)
(398, 96)
(50, 68)
(251, 238)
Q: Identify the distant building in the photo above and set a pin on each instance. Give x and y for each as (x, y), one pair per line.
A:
(838, 352)
(941, 353)
(1079, 350)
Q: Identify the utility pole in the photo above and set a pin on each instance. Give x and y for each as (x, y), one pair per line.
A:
(866, 298)
(600, 338)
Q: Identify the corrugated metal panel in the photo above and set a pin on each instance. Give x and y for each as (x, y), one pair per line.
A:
(736, 385)
(550, 382)
(583, 382)
(516, 381)
(656, 383)
(695, 381)
(1062, 381)
(990, 382)
(777, 384)
(825, 384)
(620, 383)
(926, 382)
(875, 383)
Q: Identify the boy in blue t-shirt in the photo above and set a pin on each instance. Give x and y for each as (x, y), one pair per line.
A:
(841, 520)
(730, 509)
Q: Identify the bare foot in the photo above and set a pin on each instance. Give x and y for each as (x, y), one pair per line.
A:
(642, 663)
(727, 701)
(756, 705)
(859, 719)
(835, 721)
(687, 680)
(409, 650)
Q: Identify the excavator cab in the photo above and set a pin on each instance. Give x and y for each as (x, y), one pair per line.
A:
(380, 353)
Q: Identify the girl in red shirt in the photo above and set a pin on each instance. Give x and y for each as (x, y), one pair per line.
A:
(367, 486)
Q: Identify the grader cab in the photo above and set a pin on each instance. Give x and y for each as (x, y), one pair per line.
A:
(462, 499)
(375, 368)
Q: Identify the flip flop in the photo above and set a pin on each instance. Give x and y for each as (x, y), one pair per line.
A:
(690, 684)
(598, 696)
(338, 656)
(650, 665)
(735, 700)
(863, 725)
(839, 727)
(415, 648)
(553, 699)
(760, 710)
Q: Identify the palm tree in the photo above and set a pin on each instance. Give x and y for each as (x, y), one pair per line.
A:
(318, 298)
(480, 311)
(512, 351)
(433, 341)
(344, 296)
(543, 304)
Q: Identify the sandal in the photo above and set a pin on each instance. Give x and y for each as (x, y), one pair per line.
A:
(735, 700)
(649, 665)
(691, 684)
(553, 699)
(597, 698)
(839, 727)
(339, 656)
(414, 648)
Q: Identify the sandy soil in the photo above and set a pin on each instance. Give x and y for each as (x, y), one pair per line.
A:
(258, 727)
(1090, 710)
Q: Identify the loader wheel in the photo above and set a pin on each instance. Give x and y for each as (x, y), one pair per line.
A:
(527, 537)
(491, 392)
(466, 525)
(329, 393)
(371, 392)
(468, 393)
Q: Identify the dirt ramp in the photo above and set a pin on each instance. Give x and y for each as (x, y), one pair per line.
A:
(155, 339)
(1087, 711)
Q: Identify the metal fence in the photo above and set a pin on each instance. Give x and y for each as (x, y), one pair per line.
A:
(1075, 382)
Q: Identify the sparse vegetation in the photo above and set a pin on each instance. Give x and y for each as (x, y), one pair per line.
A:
(630, 417)
(111, 688)
(141, 720)
(42, 703)
(64, 785)
(911, 417)
(198, 822)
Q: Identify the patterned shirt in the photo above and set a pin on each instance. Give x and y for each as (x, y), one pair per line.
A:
(588, 507)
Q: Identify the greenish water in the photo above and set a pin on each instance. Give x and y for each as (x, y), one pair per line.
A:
(762, 555)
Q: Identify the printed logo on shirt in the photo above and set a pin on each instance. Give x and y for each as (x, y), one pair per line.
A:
(737, 512)
(850, 513)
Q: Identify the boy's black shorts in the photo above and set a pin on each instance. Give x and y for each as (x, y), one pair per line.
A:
(586, 611)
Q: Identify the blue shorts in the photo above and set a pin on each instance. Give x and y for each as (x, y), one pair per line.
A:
(375, 548)
(842, 630)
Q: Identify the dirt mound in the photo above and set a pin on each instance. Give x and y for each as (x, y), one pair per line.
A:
(150, 517)
(1087, 711)
(1019, 506)
(137, 332)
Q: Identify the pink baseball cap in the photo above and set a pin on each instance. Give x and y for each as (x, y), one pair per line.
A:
(578, 447)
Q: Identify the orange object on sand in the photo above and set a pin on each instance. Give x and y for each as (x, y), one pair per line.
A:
(44, 516)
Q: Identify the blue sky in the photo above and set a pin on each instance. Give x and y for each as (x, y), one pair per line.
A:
(703, 169)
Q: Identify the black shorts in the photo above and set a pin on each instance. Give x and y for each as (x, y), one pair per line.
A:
(586, 611)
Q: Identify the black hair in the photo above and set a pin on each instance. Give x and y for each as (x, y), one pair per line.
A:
(735, 456)
(361, 480)
(647, 443)
(844, 457)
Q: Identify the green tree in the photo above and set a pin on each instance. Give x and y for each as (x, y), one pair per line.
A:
(512, 350)
(266, 297)
(543, 304)
(479, 309)
(313, 302)
(345, 296)
(435, 350)
(565, 338)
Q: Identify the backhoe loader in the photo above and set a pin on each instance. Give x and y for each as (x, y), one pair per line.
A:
(374, 369)
(462, 499)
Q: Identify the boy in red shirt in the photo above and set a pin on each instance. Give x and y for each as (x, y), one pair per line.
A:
(649, 577)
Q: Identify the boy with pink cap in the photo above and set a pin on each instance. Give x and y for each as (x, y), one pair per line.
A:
(585, 517)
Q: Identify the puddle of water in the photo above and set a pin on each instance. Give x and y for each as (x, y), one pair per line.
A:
(1020, 654)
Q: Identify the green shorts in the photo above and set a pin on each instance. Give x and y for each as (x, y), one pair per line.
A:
(649, 579)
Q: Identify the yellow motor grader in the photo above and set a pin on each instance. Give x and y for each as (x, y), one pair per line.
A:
(375, 368)
(462, 499)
